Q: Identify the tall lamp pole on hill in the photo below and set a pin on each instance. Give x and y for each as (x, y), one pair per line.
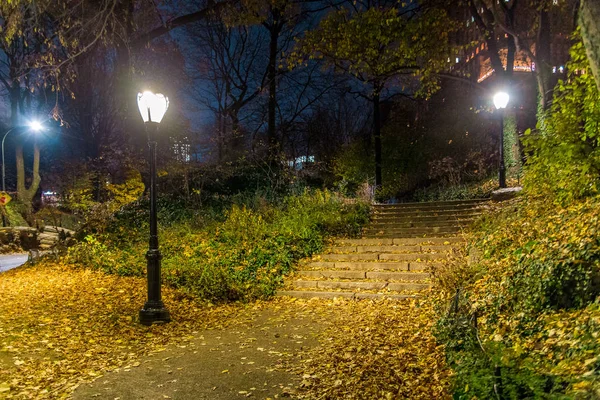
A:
(153, 108)
(501, 101)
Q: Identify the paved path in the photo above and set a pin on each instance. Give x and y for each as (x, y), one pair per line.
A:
(10, 261)
(220, 364)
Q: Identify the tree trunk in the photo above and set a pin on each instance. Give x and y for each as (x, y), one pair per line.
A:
(15, 94)
(589, 21)
(543, 56)
(377, 136)
(220, 135)
(274, 31)
(26, 194)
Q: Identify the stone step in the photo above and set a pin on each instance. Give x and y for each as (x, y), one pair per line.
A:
(399, 212)
(419, 231)
(423, 218)
(398, 241)
(391, 249)
(310, 294)
(434, 203)
(407, 235)
(371, 256)
(412, 224)
(353, 285)
(387, 276)
(372, 265)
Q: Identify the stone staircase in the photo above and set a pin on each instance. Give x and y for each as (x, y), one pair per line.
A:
(400, 247)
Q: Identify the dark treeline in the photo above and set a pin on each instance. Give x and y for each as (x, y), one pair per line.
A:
(353, 93)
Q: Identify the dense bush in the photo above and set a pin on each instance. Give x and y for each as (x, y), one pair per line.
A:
(564, 153)
(522, 320)
(243, 255)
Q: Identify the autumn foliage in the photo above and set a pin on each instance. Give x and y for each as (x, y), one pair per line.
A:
(522, 318)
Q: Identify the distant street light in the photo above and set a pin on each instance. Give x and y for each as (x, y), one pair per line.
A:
(501, 101)
(153, 108)
(35, 126)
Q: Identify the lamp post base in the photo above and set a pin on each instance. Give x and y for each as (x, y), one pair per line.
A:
(154, 314)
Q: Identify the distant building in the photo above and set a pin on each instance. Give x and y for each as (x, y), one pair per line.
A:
(473, 60)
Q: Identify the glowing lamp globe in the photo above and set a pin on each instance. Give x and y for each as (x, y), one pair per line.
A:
(501, 100)
(35, 126)
(153, 106)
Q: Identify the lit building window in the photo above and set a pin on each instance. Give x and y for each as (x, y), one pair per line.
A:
(182, 151)
(457, 60)
(300, 162)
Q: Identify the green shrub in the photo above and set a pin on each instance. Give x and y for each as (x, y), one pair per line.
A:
(523, 321)
(246, 255)
(526, 317)
(564, 153)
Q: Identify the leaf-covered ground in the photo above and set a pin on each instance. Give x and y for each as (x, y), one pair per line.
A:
(376, 350)
(60, 327)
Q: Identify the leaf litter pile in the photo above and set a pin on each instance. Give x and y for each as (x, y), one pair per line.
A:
(61, 326)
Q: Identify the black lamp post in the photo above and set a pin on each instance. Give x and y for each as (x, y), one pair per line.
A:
(153, 108)
(501, 101)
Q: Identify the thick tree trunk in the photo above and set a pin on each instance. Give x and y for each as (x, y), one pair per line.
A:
(589, 21)
(377, 136)
(15, 94)
(26, 194)
(543, 56)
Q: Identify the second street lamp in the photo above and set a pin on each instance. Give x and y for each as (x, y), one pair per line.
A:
(501, 101)
(153, 108)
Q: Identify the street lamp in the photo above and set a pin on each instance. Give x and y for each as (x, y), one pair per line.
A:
(35, 126)
(501, 101)
(153, 108)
